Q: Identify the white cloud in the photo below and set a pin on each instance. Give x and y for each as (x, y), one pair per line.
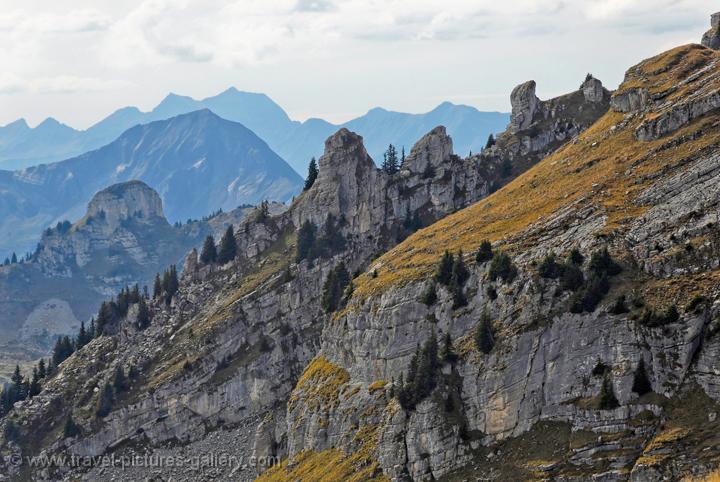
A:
(315, 52)
(74, 21)
(62, 84)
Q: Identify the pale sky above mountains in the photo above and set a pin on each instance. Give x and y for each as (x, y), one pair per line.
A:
(78, 60)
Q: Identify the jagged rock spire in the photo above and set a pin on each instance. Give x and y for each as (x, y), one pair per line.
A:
(524, 103)
(711, 39)
(432, 149)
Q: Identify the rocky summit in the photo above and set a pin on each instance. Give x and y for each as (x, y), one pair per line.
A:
(545, 309)
(123, 240)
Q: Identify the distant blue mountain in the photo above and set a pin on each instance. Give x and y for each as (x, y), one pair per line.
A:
(296, 142)
(197, 162)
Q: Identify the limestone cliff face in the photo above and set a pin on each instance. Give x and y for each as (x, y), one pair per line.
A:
(244, 359)
(711, 38)
(123, 239)
(121, 202)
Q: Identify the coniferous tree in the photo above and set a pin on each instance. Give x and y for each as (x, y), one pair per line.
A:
(490, 142)
(312, 174)
(120, 381)
(390, 160)
(334, 288)
(143, 316)
(262, 212)
(460, 273)
(170, 283)
(502, 267)
(34, 388)
(82, 337)
(71, 429)
(135, 294)
(106, 316)
(443, 275)
(485, 253)
(607, 400)
(429, 296)
(157, 287)
(422, 374)
(42, 372)
(18, 387)
(62, 350)
(305, 241)
(641, 383)
(13, 259)
(601, 263)
(228, 246)
(575, 257)
(484, 337)
(105, 401)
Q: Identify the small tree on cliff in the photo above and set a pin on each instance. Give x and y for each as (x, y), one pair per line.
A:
(228, 246)
(312, 174)
(209, 252)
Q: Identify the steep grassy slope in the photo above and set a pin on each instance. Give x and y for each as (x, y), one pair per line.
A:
(605, 169)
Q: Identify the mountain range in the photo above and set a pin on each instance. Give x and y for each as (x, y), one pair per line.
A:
(296, 142)
(198, 162)
(545, 309)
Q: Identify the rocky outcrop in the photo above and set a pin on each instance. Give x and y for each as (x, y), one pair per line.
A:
(122, 240)
(593, 90)
(630, 100)
(224, 356)
(124, 201)
(430, 152)
(711, 38)
(524, 104)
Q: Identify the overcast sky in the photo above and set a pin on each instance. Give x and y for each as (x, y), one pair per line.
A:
(78, 60)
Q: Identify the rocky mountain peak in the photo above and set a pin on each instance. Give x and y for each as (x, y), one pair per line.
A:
(711, 39)
(433, 149)
(593, 89)
(132, 199)
(344, 150)
(524, 103)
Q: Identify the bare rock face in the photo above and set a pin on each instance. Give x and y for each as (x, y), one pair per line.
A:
(524, 104)
(593, 90)
(346, 185)
(430, 152)
(711, 38)
(133, 199)
(631, 100)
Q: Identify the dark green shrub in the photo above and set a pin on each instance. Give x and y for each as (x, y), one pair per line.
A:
(607, 400)
(484, 336)
(695, 304)
(485, 253)
(575, 257)
(71, 429)
(550, 268)
(572, 277)
(619, 307)
(491, 292)
(641, 383)
(443, 275)
(601, 263)
(501, 267)
(429, 296)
